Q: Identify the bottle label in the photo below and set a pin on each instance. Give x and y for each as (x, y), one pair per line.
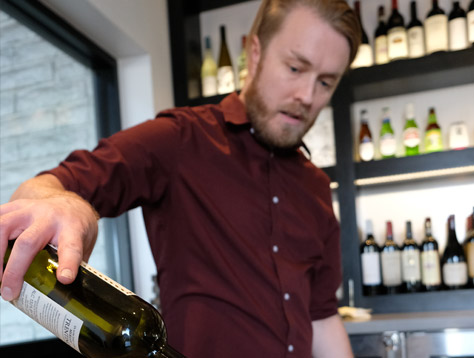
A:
(397, 43)
(209, 86)
(470, 26)
(388, 144)
(470, 258)
(391, 269)
(363, 57)
(457, 34)
(411, 265)
(411, 137)
(433, 140)
(381, 50)
(431, 274)
(104, 278)
(416, 42)
(50, 315)
(371, 268)
(436, 28)
(366, 149)
(455, 273)
(225, 80)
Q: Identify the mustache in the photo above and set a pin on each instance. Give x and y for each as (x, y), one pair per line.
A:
(295, 110)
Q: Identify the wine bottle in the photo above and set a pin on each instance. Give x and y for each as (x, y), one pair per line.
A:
(411, 267)
(366, 144)
(94, 315)
(436, 29)
(370, 264)
(380, 36)
(416, 34)
(396, 34)
(242, 63)
(208, 71)
(469, 248)
(430, 267)
(364, 56)
(457, 26)
(453, 262)
(433, 138)
(411, 134)
(388, 144)
(470, 23)
(391, 263)
(225, 72)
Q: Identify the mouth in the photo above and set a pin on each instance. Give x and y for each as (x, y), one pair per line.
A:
(292, 116)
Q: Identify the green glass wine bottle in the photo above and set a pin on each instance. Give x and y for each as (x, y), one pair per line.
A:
(95, 315)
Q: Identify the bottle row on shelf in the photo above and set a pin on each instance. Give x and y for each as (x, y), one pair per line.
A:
(393, 269)
(431, 138)
(394, 40)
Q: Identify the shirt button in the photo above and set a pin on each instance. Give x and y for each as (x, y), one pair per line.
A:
(291, 348)
(286, 296)
(275, 200)
(275, 249)
(252, 131)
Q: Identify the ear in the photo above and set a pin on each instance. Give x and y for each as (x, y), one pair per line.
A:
(254, 56)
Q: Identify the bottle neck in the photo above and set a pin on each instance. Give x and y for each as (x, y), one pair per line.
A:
(167, 352)
(394, 5)
(452, 238)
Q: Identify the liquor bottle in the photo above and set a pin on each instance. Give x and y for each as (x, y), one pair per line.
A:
(453, 262)
(411, 134)
(364, 57)
(469, 248)
(225, 72)
(470, 23)
(94, 315)
(193, 68)
(457, 28)
(242, 64)
(370, 264)
(388, 144)
(436, 29)
(411, 267)
(208, 71)
(366, 144)
(430, 267)
(433, 138)
(391, 264)
(416, 34)
(396, 35)
(380, 38)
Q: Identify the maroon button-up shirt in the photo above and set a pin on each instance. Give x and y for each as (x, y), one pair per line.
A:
(245, 239)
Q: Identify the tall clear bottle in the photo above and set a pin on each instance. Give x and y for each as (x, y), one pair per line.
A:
(225, 71)
(469, 248)
(370, 264)
(396, 34)
(453, 262)
(411, 266)
(457, 28)
(436, 29)
(364, 57)
(416, 34)
(430, 260)
(380, 38)
(391, 263)
(94, 315)
(208, 71)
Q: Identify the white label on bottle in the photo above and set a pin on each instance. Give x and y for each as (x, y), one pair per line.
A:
(455, 273)
(470, 258)
(381, 50)
(364, 57)
(457, 34)
(411, 265)
(371, 268)
(436, 31)
(416, 42)
(388, 144)
(391, 269)
(59, 321)
(470, 26)
(225, 80)
(366, 150)
(104, 278)
(431, 274)
(397, 43)
(411, 137)
(209, 86)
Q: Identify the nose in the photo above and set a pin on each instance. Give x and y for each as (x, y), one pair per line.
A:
(306, 91)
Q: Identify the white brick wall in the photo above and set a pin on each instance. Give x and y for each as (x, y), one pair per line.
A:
(46, 111)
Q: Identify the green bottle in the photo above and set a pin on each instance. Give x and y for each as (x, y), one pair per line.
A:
(388, 144)
(411, 134)
(433, 138)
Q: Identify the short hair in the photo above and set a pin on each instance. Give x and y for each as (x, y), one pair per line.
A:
(337, 13)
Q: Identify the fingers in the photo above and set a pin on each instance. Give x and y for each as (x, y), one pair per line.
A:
(70, 253)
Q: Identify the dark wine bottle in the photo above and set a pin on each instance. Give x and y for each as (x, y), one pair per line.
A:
(370, 264)
(391, 264)
(416, 34)
(380, 38)
(453, 262)
(364, 57)
(469, 248)
(411, 268)
(430, 261)
(436, 29)
(94, 314)
(457, 28)
(396, 34)
(225, 71)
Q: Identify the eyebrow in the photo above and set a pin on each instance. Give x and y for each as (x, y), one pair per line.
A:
(306, 62)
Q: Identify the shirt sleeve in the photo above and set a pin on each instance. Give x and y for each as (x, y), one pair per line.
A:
(128, 169)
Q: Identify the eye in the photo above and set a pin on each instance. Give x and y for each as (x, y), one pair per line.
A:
(294, 69)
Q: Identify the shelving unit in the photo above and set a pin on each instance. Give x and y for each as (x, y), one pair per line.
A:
(439, 70)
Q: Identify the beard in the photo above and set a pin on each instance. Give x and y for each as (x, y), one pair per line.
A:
(267, 129)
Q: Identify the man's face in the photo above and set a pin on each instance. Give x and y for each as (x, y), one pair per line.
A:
(294, 78)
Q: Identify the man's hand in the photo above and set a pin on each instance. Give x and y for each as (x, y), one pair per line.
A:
(42, 212)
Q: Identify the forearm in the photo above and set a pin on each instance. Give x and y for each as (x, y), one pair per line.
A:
(330, 339)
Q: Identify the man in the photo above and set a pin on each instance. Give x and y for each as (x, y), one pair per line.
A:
(240, 223)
